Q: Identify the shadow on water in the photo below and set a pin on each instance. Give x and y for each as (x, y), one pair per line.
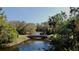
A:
(30, 45)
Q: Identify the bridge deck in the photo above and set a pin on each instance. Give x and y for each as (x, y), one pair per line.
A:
(45, 36)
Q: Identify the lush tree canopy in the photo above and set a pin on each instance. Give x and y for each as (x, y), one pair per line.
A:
(7, 32)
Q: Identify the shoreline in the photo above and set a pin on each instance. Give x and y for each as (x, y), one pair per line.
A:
(19, 40)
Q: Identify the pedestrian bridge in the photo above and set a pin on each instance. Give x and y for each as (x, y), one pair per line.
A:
(37, 36)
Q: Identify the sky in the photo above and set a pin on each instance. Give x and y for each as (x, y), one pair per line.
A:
(32, 14)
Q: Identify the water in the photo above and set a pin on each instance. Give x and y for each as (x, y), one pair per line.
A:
(34, 46)
(31, 45)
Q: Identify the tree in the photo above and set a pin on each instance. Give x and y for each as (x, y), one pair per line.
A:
(7, 32)
(74, 12)
(69, 37)
(23, 28)
(56, 21)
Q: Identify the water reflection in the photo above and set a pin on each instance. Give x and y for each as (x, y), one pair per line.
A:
(31, 45)
(34, 46)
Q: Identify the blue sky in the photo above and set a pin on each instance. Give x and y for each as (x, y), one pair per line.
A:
(32, 14)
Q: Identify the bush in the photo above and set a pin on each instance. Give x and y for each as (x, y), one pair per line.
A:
(7, 33)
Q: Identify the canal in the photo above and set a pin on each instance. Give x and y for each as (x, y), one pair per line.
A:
(30, 45)
(34, 45)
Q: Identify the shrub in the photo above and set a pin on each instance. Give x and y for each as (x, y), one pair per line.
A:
(7, 33)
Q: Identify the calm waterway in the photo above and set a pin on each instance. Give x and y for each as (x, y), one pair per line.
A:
(31, 45)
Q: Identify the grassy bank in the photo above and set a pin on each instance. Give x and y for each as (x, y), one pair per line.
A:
(21, 39)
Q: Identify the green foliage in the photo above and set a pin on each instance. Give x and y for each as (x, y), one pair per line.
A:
(23, 28)
(7, 32)
(68, 37)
